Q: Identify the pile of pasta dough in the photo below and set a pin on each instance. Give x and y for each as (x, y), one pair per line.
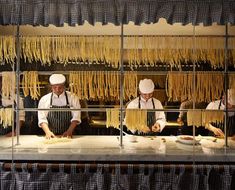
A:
(57, 140)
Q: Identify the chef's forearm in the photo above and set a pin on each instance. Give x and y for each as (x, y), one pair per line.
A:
(45, 127)
(73, 124)
(209, 127)
(162, 124)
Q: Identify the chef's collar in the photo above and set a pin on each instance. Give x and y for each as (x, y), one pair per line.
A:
(56, 96)
(142, 99)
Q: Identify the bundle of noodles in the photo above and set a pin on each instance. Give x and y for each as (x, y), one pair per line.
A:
(212, 116)
(231, 46)
(8, 84)
(6, 117)
(112, 118)
(145, 53)
(194, 118)
(178, 85)
(95, 85)
(232, 81)
(130, 85)
(141, 51)
(136, 119)
(75, 82)
(206, 89)
(30, 84)
(7, 49)
(65, 49)
(217, 46)
(113, 85)
(133, 53)
(24, 83)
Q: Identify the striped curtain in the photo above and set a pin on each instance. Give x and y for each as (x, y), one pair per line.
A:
(74, 12)
(146, 177)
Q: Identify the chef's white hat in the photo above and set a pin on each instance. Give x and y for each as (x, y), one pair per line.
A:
(57, 79)
(146, 86)
(231, 96)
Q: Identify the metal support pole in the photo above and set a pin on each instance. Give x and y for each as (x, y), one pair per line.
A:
(17, 118)
(121, 88)
(226, 85)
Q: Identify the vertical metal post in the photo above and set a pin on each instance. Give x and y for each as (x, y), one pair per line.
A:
(121, 87)
(194, 85)
(226, 85)
(17, 83)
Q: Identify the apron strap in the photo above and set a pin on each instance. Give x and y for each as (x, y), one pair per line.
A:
(66, 96)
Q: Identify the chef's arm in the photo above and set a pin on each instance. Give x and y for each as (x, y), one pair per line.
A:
(69, 132)
(73, 125)
(230, 106)
(159, 125)
(47, 131)
(215, 130)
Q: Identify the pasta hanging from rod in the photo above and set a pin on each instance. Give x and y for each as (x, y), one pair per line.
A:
(8, 84)
(6, 117)
(112, 118)
(30, 84)
(136, 119)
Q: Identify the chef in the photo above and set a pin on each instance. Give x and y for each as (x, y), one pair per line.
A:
(156, 120)
(218, 128)
(58, 122)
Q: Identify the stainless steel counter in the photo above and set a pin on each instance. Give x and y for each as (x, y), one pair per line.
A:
(107, 148)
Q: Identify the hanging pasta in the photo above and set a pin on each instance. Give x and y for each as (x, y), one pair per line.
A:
(130, 85)
(232, 81)
(112, 118)
(179, 86)
(30, 84)
(8, 84)
(194, 118)
(6, 117)
(212, 116)
(136, 119)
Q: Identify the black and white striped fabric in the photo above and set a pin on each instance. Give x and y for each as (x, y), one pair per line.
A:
(59, 121)
(38, 12)
(146, 177)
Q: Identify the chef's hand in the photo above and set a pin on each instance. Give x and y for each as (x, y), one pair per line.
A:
(68, 134)
(180, 121)
(218, 132)
(230, 106)
(145, 130)
(50, 135)
(156, 127)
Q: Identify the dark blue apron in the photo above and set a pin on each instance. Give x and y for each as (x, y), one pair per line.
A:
(151, 120)
(59, 121)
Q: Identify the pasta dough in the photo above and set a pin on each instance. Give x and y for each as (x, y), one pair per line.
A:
(57, 140)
